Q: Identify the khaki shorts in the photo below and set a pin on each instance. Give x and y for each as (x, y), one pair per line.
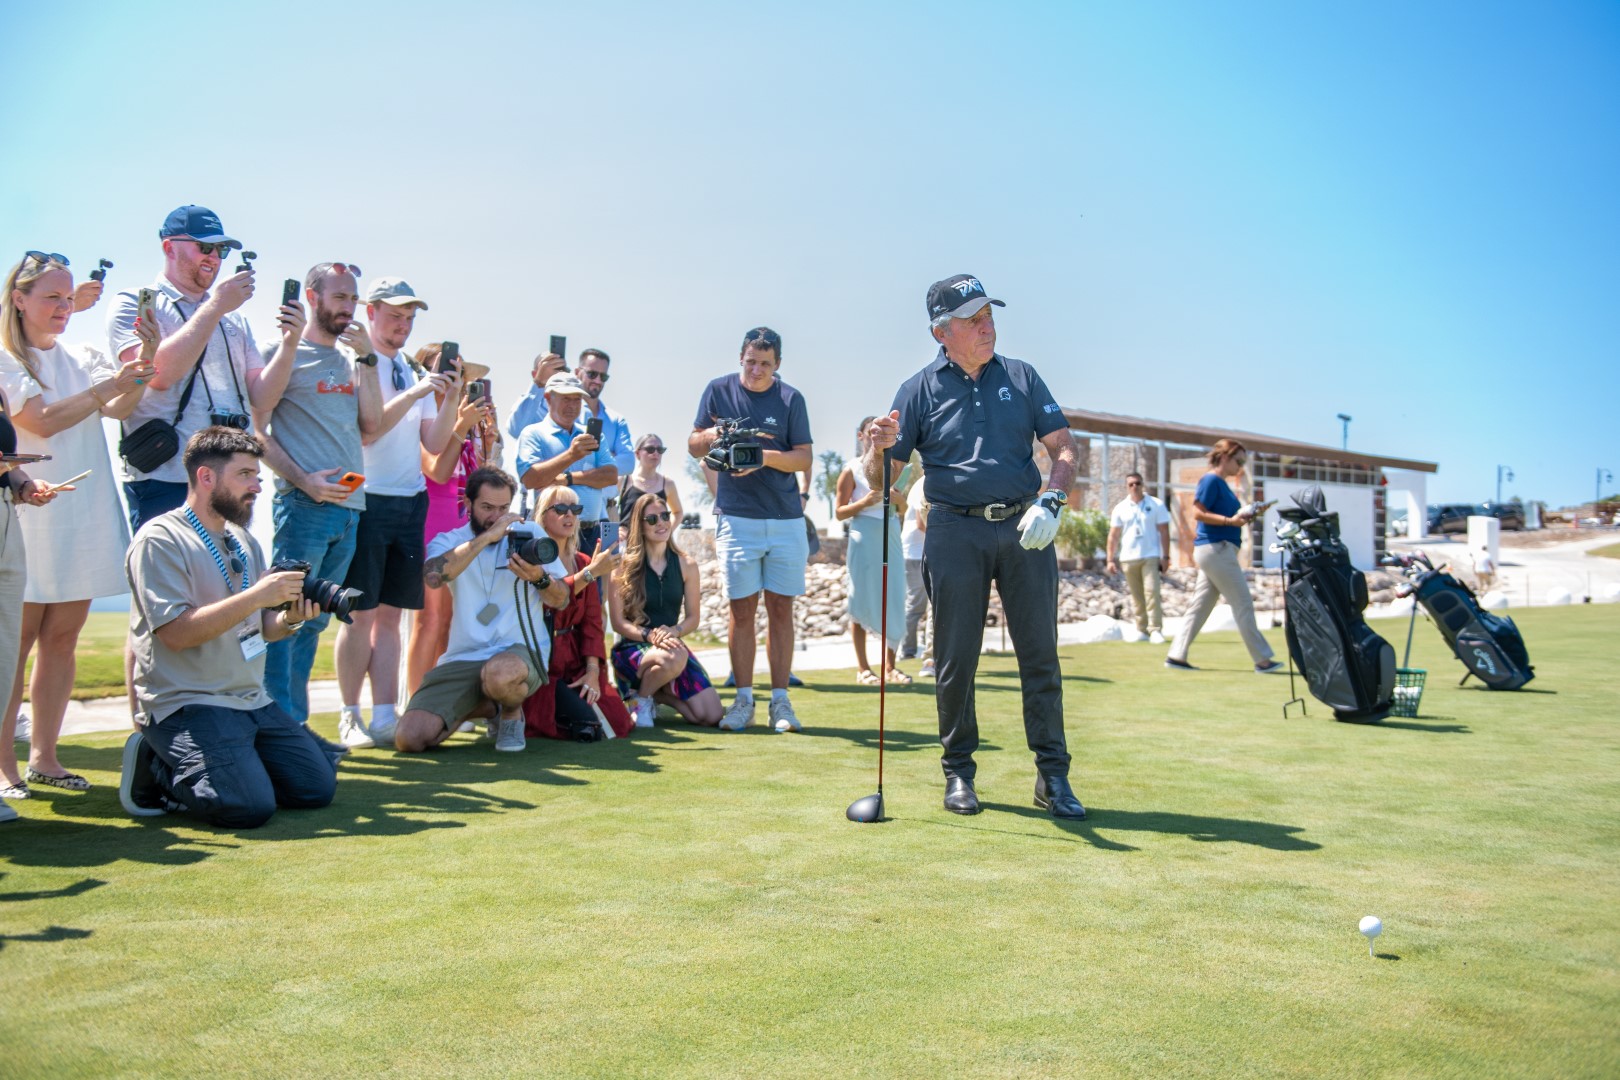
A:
(454, 689)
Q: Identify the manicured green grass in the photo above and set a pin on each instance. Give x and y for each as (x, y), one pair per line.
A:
(100, 656)
(1608, 551)
(693, 903)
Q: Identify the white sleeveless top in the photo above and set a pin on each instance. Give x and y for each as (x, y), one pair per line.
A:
(862, 489)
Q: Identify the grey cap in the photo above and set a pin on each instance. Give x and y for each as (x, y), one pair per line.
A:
(393, 290)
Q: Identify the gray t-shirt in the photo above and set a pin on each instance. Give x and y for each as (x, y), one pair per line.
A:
(171, 572)
(222, 381)
(318, 419)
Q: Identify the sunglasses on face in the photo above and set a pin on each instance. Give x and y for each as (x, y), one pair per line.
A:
(209, 247)
(46, 257)
(652, 449)
(564, 509)
(602, 375)
(654, 519)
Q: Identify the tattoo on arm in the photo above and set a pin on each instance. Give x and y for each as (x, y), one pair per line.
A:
(433, 572)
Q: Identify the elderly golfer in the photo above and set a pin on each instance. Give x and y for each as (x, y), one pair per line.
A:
(973, 416)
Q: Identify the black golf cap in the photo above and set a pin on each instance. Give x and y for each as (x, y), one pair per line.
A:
(960, 296)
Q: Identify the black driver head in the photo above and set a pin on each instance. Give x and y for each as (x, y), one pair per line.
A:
(866, 810)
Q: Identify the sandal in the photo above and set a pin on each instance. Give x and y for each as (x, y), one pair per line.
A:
(867, 678)
(897, 677)
(15, 791)
(70, 782)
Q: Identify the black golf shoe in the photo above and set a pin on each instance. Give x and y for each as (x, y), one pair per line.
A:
(138, 788)
(959, 796)
(1054, 795)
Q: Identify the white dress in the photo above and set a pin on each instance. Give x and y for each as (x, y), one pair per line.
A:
(76, 544)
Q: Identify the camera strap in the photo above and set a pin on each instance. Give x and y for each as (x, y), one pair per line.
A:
(230, 365)
(238, 556)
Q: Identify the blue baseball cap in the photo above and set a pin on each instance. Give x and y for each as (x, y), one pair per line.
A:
(196, 223)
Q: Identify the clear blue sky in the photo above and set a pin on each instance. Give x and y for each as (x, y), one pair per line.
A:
(1245, 214)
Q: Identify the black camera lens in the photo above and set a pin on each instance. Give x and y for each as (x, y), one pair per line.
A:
(328, 596)
(239, 421)
(535, 550)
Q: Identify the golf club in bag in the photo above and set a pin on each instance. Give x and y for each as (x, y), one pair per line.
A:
(1347, 666)
(1489, 645)
(869, 808)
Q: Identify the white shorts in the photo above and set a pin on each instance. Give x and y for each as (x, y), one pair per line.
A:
(761, 553)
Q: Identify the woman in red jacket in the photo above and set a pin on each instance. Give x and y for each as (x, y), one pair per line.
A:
(578, 696)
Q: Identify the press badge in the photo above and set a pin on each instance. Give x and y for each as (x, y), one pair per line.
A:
(250, 636)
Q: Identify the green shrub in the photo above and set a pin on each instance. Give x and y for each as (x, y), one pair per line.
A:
(1081, 533)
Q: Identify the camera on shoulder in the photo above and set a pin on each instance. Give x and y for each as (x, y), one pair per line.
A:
(735, 448)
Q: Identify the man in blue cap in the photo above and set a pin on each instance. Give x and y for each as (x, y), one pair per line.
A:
(973, 416)
(202, 360)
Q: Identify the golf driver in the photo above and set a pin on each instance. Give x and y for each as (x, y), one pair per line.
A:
(870, 808)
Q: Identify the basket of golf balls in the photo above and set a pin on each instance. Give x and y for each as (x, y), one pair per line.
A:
(1408, 690)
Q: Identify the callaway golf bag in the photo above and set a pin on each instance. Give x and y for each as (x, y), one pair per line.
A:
(1347, 666)
(1489, 645)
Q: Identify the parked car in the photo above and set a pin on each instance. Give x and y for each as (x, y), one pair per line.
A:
(1511, 515)
(1449, 518)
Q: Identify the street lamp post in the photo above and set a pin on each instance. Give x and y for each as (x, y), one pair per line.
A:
(1500, 469)
(1346, 418)
(1603, 475)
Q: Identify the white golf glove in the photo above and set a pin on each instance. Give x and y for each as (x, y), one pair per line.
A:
(1038, 527)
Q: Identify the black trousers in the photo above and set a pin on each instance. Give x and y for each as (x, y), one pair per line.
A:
(962, 557)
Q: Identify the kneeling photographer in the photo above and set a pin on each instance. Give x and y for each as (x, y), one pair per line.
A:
(498, 647)
(202, 609)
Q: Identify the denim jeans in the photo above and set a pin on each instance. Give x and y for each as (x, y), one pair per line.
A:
(323, 535)
(149, 498)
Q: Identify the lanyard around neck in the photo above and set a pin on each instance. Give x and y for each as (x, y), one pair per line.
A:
(219, 560)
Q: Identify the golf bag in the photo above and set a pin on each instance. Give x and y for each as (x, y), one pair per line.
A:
(1490, 646)
(1347, 666)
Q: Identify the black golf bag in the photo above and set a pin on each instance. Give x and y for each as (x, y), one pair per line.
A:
(1490, 646)
(1347, 666)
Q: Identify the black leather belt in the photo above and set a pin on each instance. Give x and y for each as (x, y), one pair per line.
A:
(993, 512)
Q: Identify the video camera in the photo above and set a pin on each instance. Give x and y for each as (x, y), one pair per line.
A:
(527, 542)
(329, 596)
(736, 448)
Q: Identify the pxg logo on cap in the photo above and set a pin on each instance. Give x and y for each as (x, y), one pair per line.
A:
(960, 296)
(195, 223)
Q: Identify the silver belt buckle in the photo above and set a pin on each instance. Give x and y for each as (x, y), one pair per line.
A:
(990, 511)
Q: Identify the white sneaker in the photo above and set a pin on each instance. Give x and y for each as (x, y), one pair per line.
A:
(352, 733)
(782, 718)
(25, 727)
(382, 732)
(1156, 637)
(1137, 635)
(739, 716)
(927, 671)
(509, 735)
(644, 712)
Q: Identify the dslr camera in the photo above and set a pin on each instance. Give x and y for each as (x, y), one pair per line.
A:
(736, 448)
(525, 540)
(239, 421)
(329, 596)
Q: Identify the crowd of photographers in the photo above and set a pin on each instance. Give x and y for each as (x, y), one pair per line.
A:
(388, 497)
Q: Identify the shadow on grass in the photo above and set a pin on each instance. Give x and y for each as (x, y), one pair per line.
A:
(49, 934)
(1438, 729)
(1193, 826)
(894, 741)
(75, 889)
(379, 793)
(1013, 676)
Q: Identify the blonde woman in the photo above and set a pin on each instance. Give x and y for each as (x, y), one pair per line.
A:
(1221, 518)
(58, 396)
(653, 603)
(861, 508)
(646, 479)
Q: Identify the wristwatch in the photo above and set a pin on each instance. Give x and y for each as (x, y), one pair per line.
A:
(544, 582)
(370, 359)
(1054, 500)
(586, 576)
(568, 478)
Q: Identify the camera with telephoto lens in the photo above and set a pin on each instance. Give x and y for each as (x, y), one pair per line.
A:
(329, 596)
(239, 421)
(527, 542)
(735, 448)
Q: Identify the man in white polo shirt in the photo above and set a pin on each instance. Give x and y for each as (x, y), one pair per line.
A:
(1139, 541)
(389, 545)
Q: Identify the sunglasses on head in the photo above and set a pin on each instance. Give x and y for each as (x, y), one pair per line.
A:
(655, 518)
(46, 257)
(564, 509)
(346, 268)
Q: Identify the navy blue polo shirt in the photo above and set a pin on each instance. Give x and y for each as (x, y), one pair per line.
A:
(779, 414)
(976, 438)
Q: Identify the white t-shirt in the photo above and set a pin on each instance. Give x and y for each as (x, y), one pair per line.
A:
(912, 535)
(394, 462)
(221, 387)
(488, 580)
(1138, 524)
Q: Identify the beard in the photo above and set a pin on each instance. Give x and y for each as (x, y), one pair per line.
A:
(332, 322)
(236, 510)
(481, 526)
